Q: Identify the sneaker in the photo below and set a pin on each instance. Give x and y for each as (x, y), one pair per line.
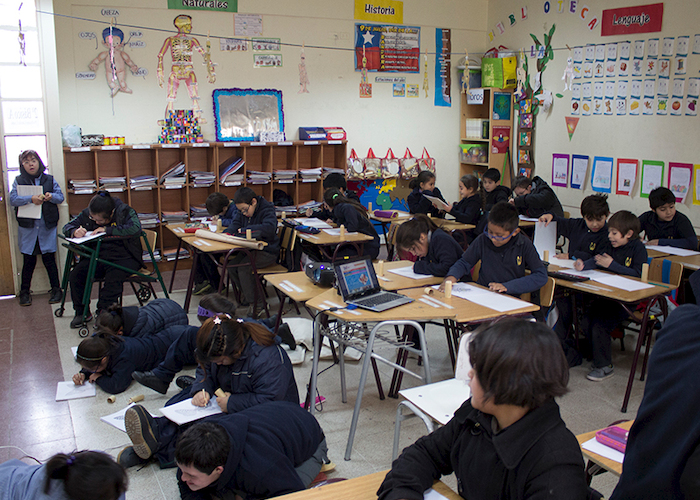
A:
(286, 335)
(140, 429)
(56, 296)
(78, 320)
(150, 380)
(128, 458)
(202, 288)
(600, 374)
(249, 313)
(25, 299)
(184, 381)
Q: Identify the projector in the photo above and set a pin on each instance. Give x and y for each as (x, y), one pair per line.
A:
(321, 273)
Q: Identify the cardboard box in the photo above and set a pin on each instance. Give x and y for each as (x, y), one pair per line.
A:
(322, 133)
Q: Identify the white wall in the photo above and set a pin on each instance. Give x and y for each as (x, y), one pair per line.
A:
(665, 138)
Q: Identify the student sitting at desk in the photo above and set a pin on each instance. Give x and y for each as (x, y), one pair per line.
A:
(436, 251)
(206, 277)
(663, 225)
(508, 441)
(257, 214)
(113, 217)
(504, 254)
(587, 237)
(469, 209)
(419, 204)
(134, 321)
(533, 197)
(355, 218)
(603, 315)
(493, 191)
(333, 180)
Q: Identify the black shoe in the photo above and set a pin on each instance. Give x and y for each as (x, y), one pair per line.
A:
(25, 299)
(140, 429)
(286, 335)
(128, 458)
(184, 381)
(78, 320)
(151, 381)
(56, 296)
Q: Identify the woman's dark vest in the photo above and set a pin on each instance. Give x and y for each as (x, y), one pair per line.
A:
(49, 211)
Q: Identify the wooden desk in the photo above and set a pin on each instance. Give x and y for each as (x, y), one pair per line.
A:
(297, 286)
(599, 461)
(386, 222)
(691, 262)
(359, 488)
(655, 253)
(449, 226)
(178, 231)
(392, 281)
(324, 240)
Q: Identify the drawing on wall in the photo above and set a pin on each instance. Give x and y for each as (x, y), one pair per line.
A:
(115, 60)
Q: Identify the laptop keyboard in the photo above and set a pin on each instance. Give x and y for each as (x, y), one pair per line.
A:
(376, 300)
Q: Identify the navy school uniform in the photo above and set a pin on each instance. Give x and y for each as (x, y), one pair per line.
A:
(227, 218)
(419, 204)
(324, 214)
(263, 225)
(583, 243)
(443, 252)
(152, 318)
(678, 232)
(468, 210)
(354, 221)
(541, 200)
(499, 193)
(627, 259)
(505, 264)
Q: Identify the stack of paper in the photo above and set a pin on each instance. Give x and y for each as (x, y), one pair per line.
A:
(310, 204)
(202, 179)
(147, 257)
(83, 186)
(184, 411)
(113, 184)
(177, 182)
(290, 209)
(174, 216)
(148, 220)
(257, 177)
(229, 167)
(331, 170)
(310, 174)
(234, 180)
(170, 253)
(175, 175)
(285, 176)
(143, 182)
(198, 212)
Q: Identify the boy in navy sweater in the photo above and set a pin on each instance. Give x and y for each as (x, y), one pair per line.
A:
(434, 249)
(504, 254)
(662, 225)
(587, 237)
(534, 197)
(627, 257)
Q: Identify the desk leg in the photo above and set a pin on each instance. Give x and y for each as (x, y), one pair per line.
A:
(177, 257)
(190, 282)
(279, 313)
(311, 393)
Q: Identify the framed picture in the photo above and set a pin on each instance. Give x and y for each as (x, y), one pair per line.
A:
(525, 171)
(244, 114)
(523, 156)
(525, 138)
(525, 120)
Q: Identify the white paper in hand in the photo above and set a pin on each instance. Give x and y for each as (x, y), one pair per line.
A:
(184, 411)
(437, 202)
(68, 390)
(546, 239)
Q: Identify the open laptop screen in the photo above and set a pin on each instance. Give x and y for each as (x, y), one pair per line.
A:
(356, 277)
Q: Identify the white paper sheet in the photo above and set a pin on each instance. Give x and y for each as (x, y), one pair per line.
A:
(545, 239)
(437, 201)
(30, 210)
(528, 219)
(313, 222)
(497, 301)
(568, 263)
(68, 390)
(622, 283)
(116, 419)
(673, 250)
(408, 272)
(431, 494)
(90, 235)
(602, 450)
(336, 232)
(184, 411)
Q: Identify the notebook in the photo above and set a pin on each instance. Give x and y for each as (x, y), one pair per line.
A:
(359, 286)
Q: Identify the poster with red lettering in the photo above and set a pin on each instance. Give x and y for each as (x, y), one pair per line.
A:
(388, 47)
(626, 20)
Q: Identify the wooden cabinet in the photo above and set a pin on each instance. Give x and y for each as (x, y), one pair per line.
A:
(88, 163)
(476, 163)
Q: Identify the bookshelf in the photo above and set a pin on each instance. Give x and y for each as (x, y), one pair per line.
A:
(129, 161)
(484, 111)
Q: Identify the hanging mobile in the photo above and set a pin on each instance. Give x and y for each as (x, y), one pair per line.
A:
(426, 85)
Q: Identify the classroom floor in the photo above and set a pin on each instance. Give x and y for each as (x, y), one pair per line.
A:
(35, 354)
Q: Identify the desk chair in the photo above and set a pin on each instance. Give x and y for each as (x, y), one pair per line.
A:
(438, 401)
(145, 278)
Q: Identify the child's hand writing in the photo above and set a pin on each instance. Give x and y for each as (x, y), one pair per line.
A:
(546, 218)
(223, 401)
(497, 287)
(449, 278)
(603, 260)
(80, 232)
(201, 398)
(99, 230)
(79, 378)
(578, 265)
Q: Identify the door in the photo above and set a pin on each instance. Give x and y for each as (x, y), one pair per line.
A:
(7, 286)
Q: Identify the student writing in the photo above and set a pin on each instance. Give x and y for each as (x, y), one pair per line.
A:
(533, 197)
(664, 225)
(134, 321)
(333, 180)
(493, 191)
(436, 251)
(419, 204)
(355, 218)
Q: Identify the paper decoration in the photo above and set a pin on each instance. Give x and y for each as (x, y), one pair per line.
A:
(680, 65)
(525, 139)
(652, 175)
(366, 87)
(601, 176)
(426, 82)
(626, 176)
(571, 124)
(303, 75)
(443, 82)
(389, 47)
(679, 175)
(696, 190)
(500, 140)
(579, 169)
(560, 170)
(501, 106)
(115, 61)
(696, 44)
(22, 44)
(568, 73)
(653, 47)
(682, 45)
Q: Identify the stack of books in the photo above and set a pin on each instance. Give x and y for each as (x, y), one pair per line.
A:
(174, 216)
(147, 257)
(228, 175)
(175, 177)
(170, 253)
(113, 184)
(198, 212)
(202, 179)
(331, 170)
(257, 177)
(310, 174)
(309, 204)
(285, 176)
(291, 209)
(143, 182)
(83, 186)
(148, 220)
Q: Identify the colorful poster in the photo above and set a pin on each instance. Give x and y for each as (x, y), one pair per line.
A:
(560, 170)
(601, 176)
(443, 81)
(501, 106)
(652, 175)
(500, 140)
(626, 176)
(379, 11)
(637, 19)
(679, 175)
(579, 169)
(696, 191)
(388, 48)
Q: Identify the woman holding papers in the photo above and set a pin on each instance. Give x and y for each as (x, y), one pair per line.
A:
(436, 251)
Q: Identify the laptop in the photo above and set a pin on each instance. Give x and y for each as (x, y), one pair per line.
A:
(359, 286)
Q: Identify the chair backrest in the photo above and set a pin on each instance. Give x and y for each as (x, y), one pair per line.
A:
(567, 215)
(665, 271)
(463, 364)
(288, 237)
(547, 293)
(475, 271)
(151, 237)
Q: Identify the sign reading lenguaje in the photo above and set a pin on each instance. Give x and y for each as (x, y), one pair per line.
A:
(390, 48)
(626, 20)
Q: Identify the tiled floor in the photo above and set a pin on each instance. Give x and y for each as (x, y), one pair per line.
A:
(35, 355)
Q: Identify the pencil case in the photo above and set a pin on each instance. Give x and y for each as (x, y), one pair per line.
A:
(191, 229)
(615, 437)
(387, 214)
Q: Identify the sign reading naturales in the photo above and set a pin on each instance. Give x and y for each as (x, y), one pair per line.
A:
(211, 5)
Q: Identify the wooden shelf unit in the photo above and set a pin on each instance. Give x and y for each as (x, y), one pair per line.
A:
(485, 111)
(156, 159)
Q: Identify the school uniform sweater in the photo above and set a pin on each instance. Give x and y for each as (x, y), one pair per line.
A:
(443, 252)
(152, 318)
(419, 204)
(505, 264)
(627, 259)
(541, 200)
(678, 232)
(325, 214)
(263, 225)
(227, 218)
(499, 193)
(354, 221)
(468, 210)
(583, 243)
